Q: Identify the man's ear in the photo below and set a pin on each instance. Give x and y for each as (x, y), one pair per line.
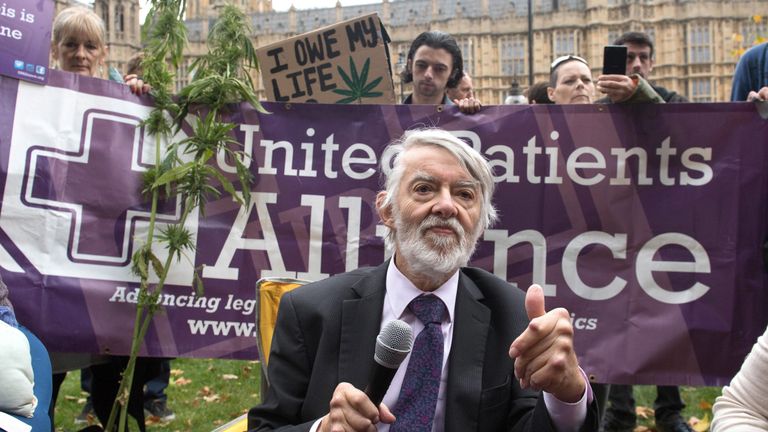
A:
(384, 210)
(550, 93)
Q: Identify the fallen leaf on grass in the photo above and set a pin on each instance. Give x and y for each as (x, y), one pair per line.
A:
(644, 412)
(229, 377)
(71, 398)
(205, 391)
(218, 422)
(705, 405)
(211, 398)
(181, 381)
(699, 425)
(177, 372)
(152, 420)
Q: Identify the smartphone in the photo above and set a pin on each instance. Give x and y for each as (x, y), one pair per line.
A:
(615, 60)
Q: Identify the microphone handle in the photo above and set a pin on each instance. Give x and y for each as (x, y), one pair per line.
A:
(378, 384)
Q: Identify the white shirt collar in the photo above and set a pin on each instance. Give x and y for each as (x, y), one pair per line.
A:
(400, 291)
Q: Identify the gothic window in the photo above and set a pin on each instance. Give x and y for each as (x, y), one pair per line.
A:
(512, 55)
(699, 44)
(105, 16)
(467, 52)
(119, 19)
(751, 31)
(564, 44)
(701, 90)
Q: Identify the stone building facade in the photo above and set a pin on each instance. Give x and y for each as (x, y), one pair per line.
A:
(694, 39)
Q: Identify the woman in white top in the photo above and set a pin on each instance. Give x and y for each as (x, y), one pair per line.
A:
(743, 406)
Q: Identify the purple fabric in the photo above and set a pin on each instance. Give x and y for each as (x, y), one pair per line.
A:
(415, 408)
(652, 265)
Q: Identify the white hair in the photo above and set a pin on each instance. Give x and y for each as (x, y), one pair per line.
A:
(470, 159)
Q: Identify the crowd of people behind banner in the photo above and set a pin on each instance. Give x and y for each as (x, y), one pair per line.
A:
(435, 68)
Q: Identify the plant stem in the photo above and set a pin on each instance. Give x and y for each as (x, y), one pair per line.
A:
(139, 327)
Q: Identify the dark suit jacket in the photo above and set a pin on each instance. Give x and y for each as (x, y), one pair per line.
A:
(326, 334)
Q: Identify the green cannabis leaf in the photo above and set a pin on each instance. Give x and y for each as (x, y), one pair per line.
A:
(221, 78)
(358, 88)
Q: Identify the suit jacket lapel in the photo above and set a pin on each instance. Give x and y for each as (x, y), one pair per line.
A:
(465, 374)
(360, 323)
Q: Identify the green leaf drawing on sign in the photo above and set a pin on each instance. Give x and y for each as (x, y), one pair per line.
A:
(357, 85)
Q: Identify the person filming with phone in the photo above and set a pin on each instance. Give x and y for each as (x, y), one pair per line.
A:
(624, 74)
(637, 61)
(627, 66)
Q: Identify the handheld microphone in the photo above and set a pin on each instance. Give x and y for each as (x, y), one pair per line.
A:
(392, 347)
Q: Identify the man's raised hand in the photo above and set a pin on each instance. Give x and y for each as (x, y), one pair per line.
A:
(543, 353)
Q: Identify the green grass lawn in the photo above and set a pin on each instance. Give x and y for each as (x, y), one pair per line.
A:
(698, 402)
(205, 394)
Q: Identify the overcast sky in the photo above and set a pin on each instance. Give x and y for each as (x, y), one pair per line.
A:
(284, 5)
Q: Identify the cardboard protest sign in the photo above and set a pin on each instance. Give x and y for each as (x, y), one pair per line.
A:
(25, 39)
(347, 62)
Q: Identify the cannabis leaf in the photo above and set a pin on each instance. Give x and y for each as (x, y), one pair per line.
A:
(358, 88)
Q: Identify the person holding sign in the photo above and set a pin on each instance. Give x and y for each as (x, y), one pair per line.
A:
(750, 81)
(483, 351)
(79, 46)
(435, 64)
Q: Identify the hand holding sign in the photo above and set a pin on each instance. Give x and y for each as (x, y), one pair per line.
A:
(543, 353)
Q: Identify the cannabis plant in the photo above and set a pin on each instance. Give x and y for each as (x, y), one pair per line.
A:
(184, 169)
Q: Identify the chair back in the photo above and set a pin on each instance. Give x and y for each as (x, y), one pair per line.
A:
(269, 291)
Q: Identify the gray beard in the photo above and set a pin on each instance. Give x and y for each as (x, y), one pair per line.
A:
(435, 257)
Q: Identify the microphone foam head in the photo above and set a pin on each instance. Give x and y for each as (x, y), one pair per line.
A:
(393, 344)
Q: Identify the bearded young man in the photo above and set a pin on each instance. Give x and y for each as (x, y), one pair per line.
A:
(491, 363)
(434, 64)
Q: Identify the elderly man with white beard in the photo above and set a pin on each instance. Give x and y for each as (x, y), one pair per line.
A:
(487, 356)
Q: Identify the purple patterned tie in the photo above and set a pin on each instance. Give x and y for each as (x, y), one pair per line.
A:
(415, 407)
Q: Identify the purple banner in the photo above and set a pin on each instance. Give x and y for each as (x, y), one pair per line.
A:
(25, 39)
(646, 222)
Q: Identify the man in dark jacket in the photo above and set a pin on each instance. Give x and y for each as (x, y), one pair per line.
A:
(434, 64)
(462, 375)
